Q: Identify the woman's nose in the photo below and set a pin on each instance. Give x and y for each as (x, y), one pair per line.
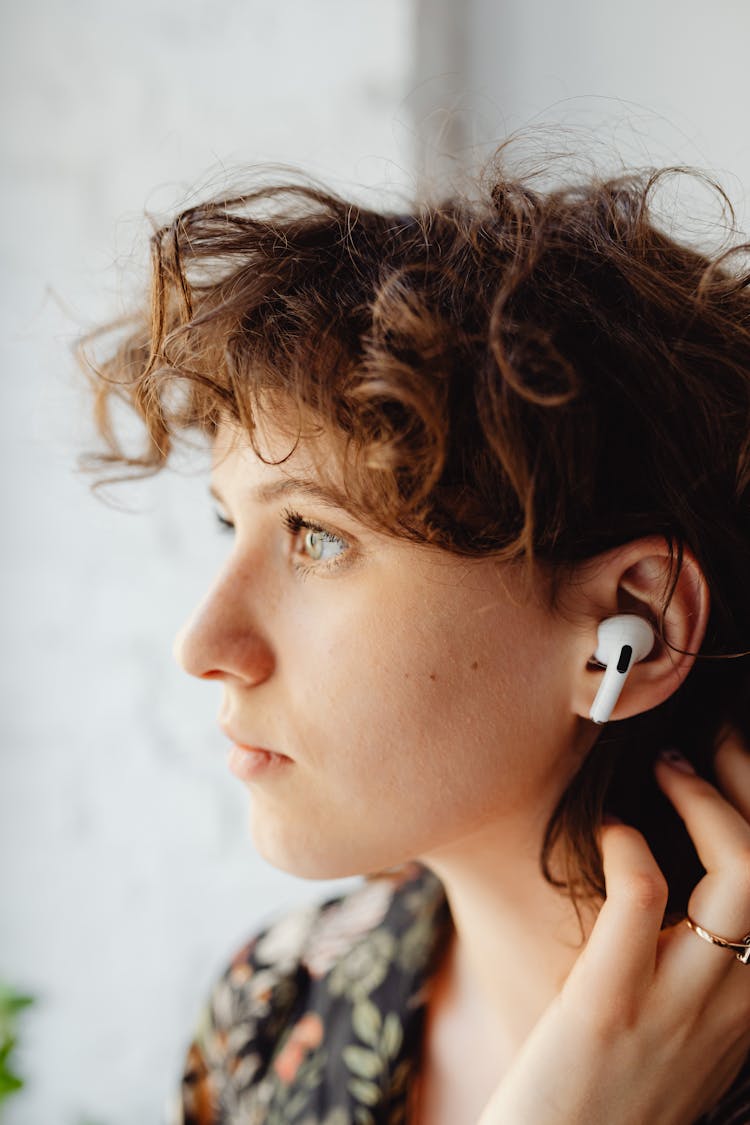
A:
(221, 639)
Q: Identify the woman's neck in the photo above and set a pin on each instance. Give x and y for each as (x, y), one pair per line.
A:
(516, 936)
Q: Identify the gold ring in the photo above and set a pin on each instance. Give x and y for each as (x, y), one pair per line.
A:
(741, 949)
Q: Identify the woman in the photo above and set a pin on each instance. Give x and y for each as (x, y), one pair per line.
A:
(449, 445)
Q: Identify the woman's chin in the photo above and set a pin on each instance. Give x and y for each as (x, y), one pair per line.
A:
(318, 859)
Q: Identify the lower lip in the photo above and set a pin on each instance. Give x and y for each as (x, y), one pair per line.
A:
(247, 764)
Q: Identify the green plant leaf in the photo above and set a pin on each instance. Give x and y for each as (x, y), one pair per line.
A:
(9, 1083)
(5, 1049)
(12, 1001)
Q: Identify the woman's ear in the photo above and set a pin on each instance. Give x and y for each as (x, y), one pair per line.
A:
(634, 578)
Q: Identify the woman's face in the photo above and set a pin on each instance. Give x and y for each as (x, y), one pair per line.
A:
(414, 695)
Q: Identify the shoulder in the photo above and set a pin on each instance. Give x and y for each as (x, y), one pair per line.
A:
(281, 991)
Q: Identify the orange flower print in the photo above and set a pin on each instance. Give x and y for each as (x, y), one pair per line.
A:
(305, 1036)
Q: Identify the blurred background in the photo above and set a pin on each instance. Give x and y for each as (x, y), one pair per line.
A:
(128, 875)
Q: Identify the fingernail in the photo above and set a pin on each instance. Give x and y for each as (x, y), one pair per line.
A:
(672, 757)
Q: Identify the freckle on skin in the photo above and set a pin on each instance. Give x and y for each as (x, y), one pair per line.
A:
(433, 676)
(474, 665)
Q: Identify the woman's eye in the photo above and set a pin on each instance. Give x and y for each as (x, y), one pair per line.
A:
(320, 545)
(312, 543)
(224, 523)
(316, 544)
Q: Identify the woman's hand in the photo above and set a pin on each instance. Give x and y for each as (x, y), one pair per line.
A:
(650, 1027)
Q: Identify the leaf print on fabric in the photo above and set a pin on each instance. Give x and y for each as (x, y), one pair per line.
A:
(238, 1037)
(366, 1092)
(392, 1037)
(296, 1105)
(305, 1036)
(363, 968)
(401, 1076)
(255, 1102)
(367, 1021)
(313, 1066)
(244, 1068)
(415, 941)
(363, 1063)
(287, 1099)
(282, 944)
(248, 1001)
(223, 1004)
(342, 924)
(337, 1116)
(317, 1019)
(256, 993)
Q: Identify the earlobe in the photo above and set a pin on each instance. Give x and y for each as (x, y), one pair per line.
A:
(634, 580)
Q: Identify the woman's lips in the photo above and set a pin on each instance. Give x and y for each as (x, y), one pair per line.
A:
(247, 762)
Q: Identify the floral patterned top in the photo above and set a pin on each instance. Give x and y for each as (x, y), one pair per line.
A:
(318, 1019)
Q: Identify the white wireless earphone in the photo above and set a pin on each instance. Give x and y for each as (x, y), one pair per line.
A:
(621, 642)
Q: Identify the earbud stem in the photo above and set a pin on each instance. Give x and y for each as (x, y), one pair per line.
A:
(611, 687)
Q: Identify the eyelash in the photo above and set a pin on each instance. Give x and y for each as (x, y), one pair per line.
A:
(294, 523)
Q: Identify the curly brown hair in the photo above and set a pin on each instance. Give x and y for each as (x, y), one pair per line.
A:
(537, 375)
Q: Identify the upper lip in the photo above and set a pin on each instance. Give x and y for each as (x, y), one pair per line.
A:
(244, 743)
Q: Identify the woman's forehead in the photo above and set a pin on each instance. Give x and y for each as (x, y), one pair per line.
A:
(276, 451)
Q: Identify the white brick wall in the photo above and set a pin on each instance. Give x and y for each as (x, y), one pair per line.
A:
(654, 82)
(128, 874)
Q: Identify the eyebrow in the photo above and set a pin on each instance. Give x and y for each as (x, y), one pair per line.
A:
(276, 489)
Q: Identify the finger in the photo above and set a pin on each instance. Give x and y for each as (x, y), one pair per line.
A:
(620, 957)
(720, 833)
(732, 765)
(720, 903)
